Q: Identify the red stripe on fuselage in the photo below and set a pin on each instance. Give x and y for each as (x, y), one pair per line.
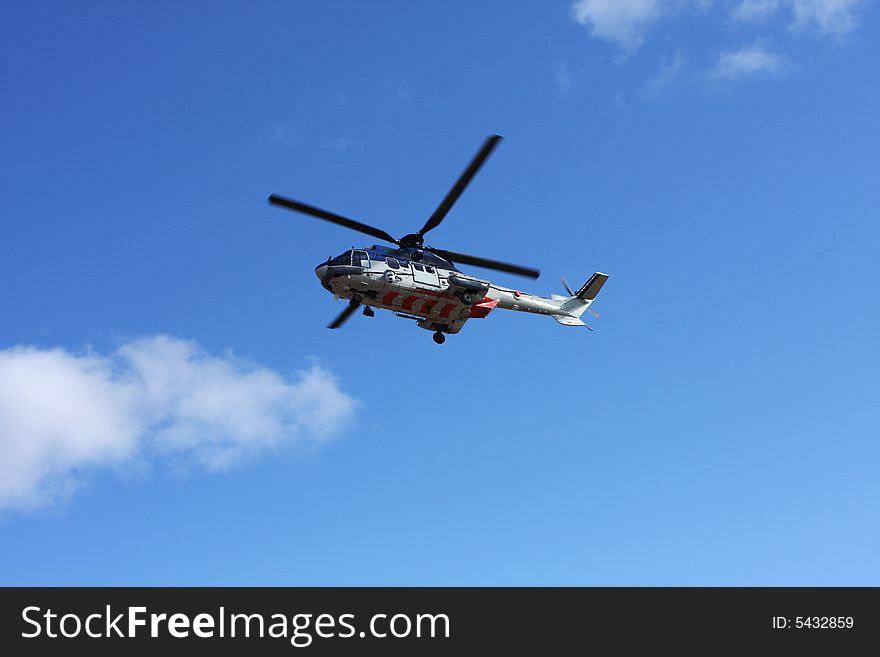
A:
(389, 298)
(433, 293)
(408, 302)
(448, 308)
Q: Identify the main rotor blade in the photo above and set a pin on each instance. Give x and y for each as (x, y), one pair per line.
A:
(460, 185)
(344, 315)
(274, 199)
(463, 259)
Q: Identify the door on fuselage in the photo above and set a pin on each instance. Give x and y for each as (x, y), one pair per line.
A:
(425, 275)
(360, 259)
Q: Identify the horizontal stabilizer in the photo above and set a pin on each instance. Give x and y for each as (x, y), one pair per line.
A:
(569, 321)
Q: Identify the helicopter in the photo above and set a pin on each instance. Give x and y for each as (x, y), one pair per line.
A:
(423, 283)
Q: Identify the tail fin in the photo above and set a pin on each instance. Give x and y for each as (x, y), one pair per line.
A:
(574, 306)
(591, 288)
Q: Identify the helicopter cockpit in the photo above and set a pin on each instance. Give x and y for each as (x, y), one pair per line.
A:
(353, 257)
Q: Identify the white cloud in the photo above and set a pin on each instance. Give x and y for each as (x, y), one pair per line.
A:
(625, 22)
(750, 60)
(828, 16)
(62, 414)
(620, 21)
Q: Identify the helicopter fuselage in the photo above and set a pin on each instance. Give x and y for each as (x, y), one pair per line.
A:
(420, 285)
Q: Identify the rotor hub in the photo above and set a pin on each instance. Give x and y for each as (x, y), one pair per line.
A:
(413, 240)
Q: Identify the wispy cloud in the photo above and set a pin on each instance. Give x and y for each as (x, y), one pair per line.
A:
(627, 22)
(670, 71)
(747, 61)
(831, 16)
(620, 21)
(63, 414)
(280, 134)
(563, 78)
(827, 16)
(755, 10)
(341, 144)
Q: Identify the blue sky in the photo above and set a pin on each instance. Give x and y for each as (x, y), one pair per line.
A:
(718, 159)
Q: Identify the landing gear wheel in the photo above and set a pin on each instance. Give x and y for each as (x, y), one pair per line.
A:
(368, 312)
(439, 338)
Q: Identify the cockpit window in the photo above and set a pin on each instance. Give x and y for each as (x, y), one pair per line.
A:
(360, 259)
(418, 267)
(392, 262)
(428, 269)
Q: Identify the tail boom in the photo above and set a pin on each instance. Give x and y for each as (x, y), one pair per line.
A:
(565, 310)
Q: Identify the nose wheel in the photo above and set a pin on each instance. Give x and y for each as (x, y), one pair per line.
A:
(439, 338)
(368, 312)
